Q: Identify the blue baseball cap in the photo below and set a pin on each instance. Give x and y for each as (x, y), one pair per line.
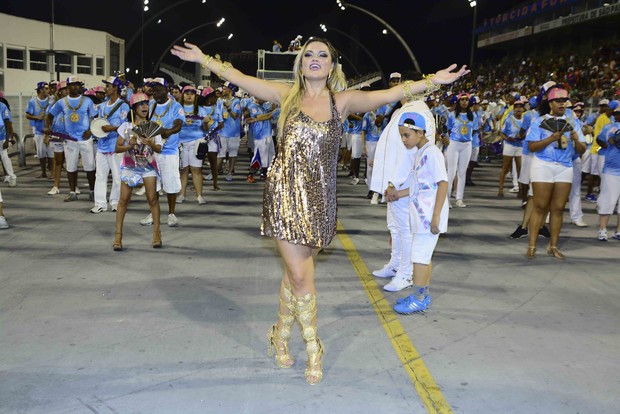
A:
(613, 105)
(41, 85)
(533, 102)
(412, 120)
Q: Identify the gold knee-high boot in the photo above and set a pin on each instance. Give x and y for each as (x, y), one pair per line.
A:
(305, 312)
(278, 338)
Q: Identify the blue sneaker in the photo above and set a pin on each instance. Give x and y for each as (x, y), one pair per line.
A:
(411, 305)
(426, 300)
(591, 198)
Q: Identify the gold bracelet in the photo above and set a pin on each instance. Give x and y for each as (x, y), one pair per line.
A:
(225, 66)
(205, 62)
(407, 90)
(430, 86)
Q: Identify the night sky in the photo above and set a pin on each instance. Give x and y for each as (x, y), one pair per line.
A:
(437, 31)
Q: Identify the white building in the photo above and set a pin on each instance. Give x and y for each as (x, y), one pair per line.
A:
(32, 51)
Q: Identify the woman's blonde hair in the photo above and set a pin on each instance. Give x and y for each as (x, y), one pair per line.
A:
(336, 81)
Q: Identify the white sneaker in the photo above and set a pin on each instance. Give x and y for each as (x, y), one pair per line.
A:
(140, 191)
(113, 208)
(580, 223)
(98, 209)
(12, 181)
(602, 235)
(77, 190)
(460, 204)
(147, 221)
(180, 199)
(375, 199)
(172, 220)
(3, 223)
(201, 200)
(514, 190)
(397, 284)
(209, 177)
(385, 271)
(354, 181)
(54, 191)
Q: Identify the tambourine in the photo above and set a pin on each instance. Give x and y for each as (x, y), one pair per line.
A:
(96, 127)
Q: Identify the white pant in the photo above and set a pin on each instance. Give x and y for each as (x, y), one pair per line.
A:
(73, 150)
(475, 152)
(230, 145)
(266, 150)
(574, 199)
(188, 155)
(458, 156)
(400, 230)
(107, 163)
(371, 148)
(43, 151)
(356, 145)
(609, 197)
(515, 174)
(6, 161)
(168, 165)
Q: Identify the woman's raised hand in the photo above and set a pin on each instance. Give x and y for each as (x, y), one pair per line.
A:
(189, 52)
(446, 75)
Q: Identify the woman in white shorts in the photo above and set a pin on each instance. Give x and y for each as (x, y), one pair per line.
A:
(138, 167)
(513, 143)
(552, 167)
(194, 128)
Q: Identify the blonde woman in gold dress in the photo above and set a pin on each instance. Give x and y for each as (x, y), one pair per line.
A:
(299, 209)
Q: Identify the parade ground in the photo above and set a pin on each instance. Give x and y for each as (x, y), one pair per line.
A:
(183, 329)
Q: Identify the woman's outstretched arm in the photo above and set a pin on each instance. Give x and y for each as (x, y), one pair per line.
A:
(265, 90)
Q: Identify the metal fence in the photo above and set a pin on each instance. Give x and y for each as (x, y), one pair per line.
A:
(24, 143)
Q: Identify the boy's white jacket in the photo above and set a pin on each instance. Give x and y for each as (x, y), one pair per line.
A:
(392, 159)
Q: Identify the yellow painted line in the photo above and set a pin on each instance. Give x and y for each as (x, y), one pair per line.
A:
(421, 378)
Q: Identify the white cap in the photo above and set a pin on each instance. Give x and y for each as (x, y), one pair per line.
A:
(603, 102)
(395, 75)
(547, 85)
(76, 79)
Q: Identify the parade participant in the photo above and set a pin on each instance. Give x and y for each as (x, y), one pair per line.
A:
(552, 169)
(477, 109)
(428, 207)
(259, 121)
(230, 134)
(6, 135)
(214, 112)
(393, 163)
(355, 146)
(513, 143)
(3, 222)
(57, 138)
(115, 111)
(36, 111)
(597, 120)
(574, 198)
(524, 177)
(195, 126)
(138, 166)
(170, 115)
(461, 125)
(370, 136)
(77, 111)
(300, 191)
(176, 93)
(609, 197)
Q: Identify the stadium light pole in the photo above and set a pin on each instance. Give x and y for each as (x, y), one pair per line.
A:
(474, 5)
(358, 43)
(200, 26)
(342, 5)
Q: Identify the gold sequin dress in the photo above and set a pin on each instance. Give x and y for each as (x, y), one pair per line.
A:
(299, 201)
